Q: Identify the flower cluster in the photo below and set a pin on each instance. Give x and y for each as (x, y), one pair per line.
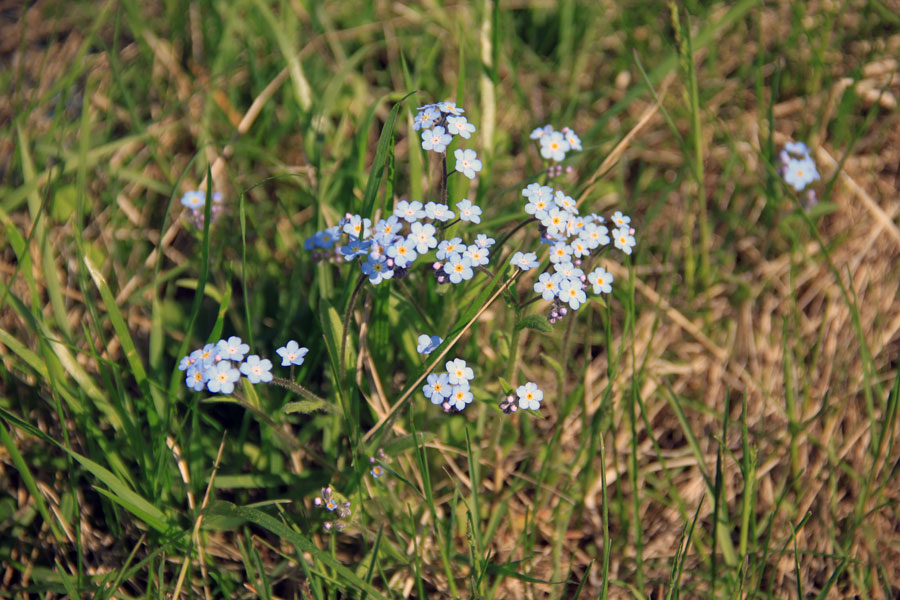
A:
(450, 389)
(555, 144)
(572, 238)
(195, 200)
(340, 509)
(390, 247)
(441, 121)
(217, 367)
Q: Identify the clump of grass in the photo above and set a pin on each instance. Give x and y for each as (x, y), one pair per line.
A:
(721, 423)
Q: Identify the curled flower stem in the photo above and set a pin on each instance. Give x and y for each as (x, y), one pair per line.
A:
(344, 334)
(298, 389)
(443, 187)
(529, 302)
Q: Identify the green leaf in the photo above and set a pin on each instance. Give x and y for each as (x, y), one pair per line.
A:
(536, 322)
(376, 174)
(307, 406)
(404, 442)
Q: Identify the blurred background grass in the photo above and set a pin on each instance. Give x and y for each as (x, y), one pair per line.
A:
(739, 397)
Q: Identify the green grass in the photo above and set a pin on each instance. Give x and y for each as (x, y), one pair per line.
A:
(722, 426)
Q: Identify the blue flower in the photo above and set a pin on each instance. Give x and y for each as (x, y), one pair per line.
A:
(554, 146)
(427, 116)
(257, 370)
(483, 241)
(565, 202)
(620, 220)
(624, 240)
(460, 126)
(196, 378)
(458, 372)
(422, 235)
(799, 173)
(291, 354)
(428, 344)
(556, 221)
(357, 227)
(436, 139)
(438, 212)
(467, 163)
(547, 285)
(567, 269)
(448, 248)
(478, 255)
(524, 261)
(530, 396)
(409, 211)
(449, 108)
(220, 377)
(403, 252)
(579, 247)
(233, 349)
(326, 239)
(540, 132)
(205, 357)
(377, 471)
(468, 211)
(377, 271)
(570, 290)
(388, 227)
(560, 252)
(460, 396)
(194, 199)
(594, 235)
(458, 267)
(438, 388)
(355, 248)
(572, 138)
(601, 279)
(185, 363)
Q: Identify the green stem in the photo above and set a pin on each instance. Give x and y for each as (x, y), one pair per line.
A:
(342, 359)
(298, 389)
(515, 229)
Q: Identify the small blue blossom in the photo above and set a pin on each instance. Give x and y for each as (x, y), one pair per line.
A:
(185, 363)
(426, 117)
(436, 139)
(560, 252)
(357, 227)
(220, 378)
(567, 269)
(458, 268)
(547, 285)
(468, 211)
(291, 354)
(257, 369)
(572, 138)
(438, 212)
(194, 199)
(623, 239)
(478, 255)
(556, 221)
(205, 357)
(232, 349)
(601, 279)
(403, 252)
(376, 271)
(438, 388)
(428, 344)
(449, 108)
(525, 261)
(620, 220)
(530, 396)
(554, 146)
(579, 248)
(458, 372)
(595, 235)
(388, 227)
(565, 202)
(422, 235)
(537, 205)
(459, 125)
(448, 248)
(409, 211)
(467, 163)
(570, 290)
(196, 378)
(540, 132)
(377, 471)
(326, 239)
(483, 241)
(355, 248)
(798, 173)
(460, 396)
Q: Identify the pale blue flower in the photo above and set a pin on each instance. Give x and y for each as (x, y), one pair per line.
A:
(389, 227)
(428, 344)
(572, 138)
(438, 212)
(195, 378)
(232, 349)
(530, 396)
(357, 227)
(556, 221)
(467, 163)
(220, 377)
(601, 279)
(565, 202)
(422, 235)
(483, 241)
(438, 388)
(460, 396)
(478, 255)
(595, 235)
(449, 108)
(459, 372)
(468, 211)
(403, 252)
(800, 172)
(257, 370)
(570, 290)
(185, 363)
(448, 248)
(560, 252)
(409, 211)
(525, 261)
(460, 126)
(554, 146)
(194, 199)
(291, 354)
(547, 285)
(436, 139)
(569, 270)
(376, 271)
(426, 117)
(620, 220)
(459, 268)
(579, 247)
(355, 248)
(623, 240)
(206, 356)
(540, 132)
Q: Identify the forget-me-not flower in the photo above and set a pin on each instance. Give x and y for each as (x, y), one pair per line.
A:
(291, 354)
(467, 163)
(468, 211)
(601, 279)
(233, 349)
(220, 377)
(428, 344)
(257, 369)
(524, 260)
(436, 139)
(458, 268)
(530, 396)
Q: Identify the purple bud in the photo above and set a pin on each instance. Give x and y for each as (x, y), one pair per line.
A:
(563, 311)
